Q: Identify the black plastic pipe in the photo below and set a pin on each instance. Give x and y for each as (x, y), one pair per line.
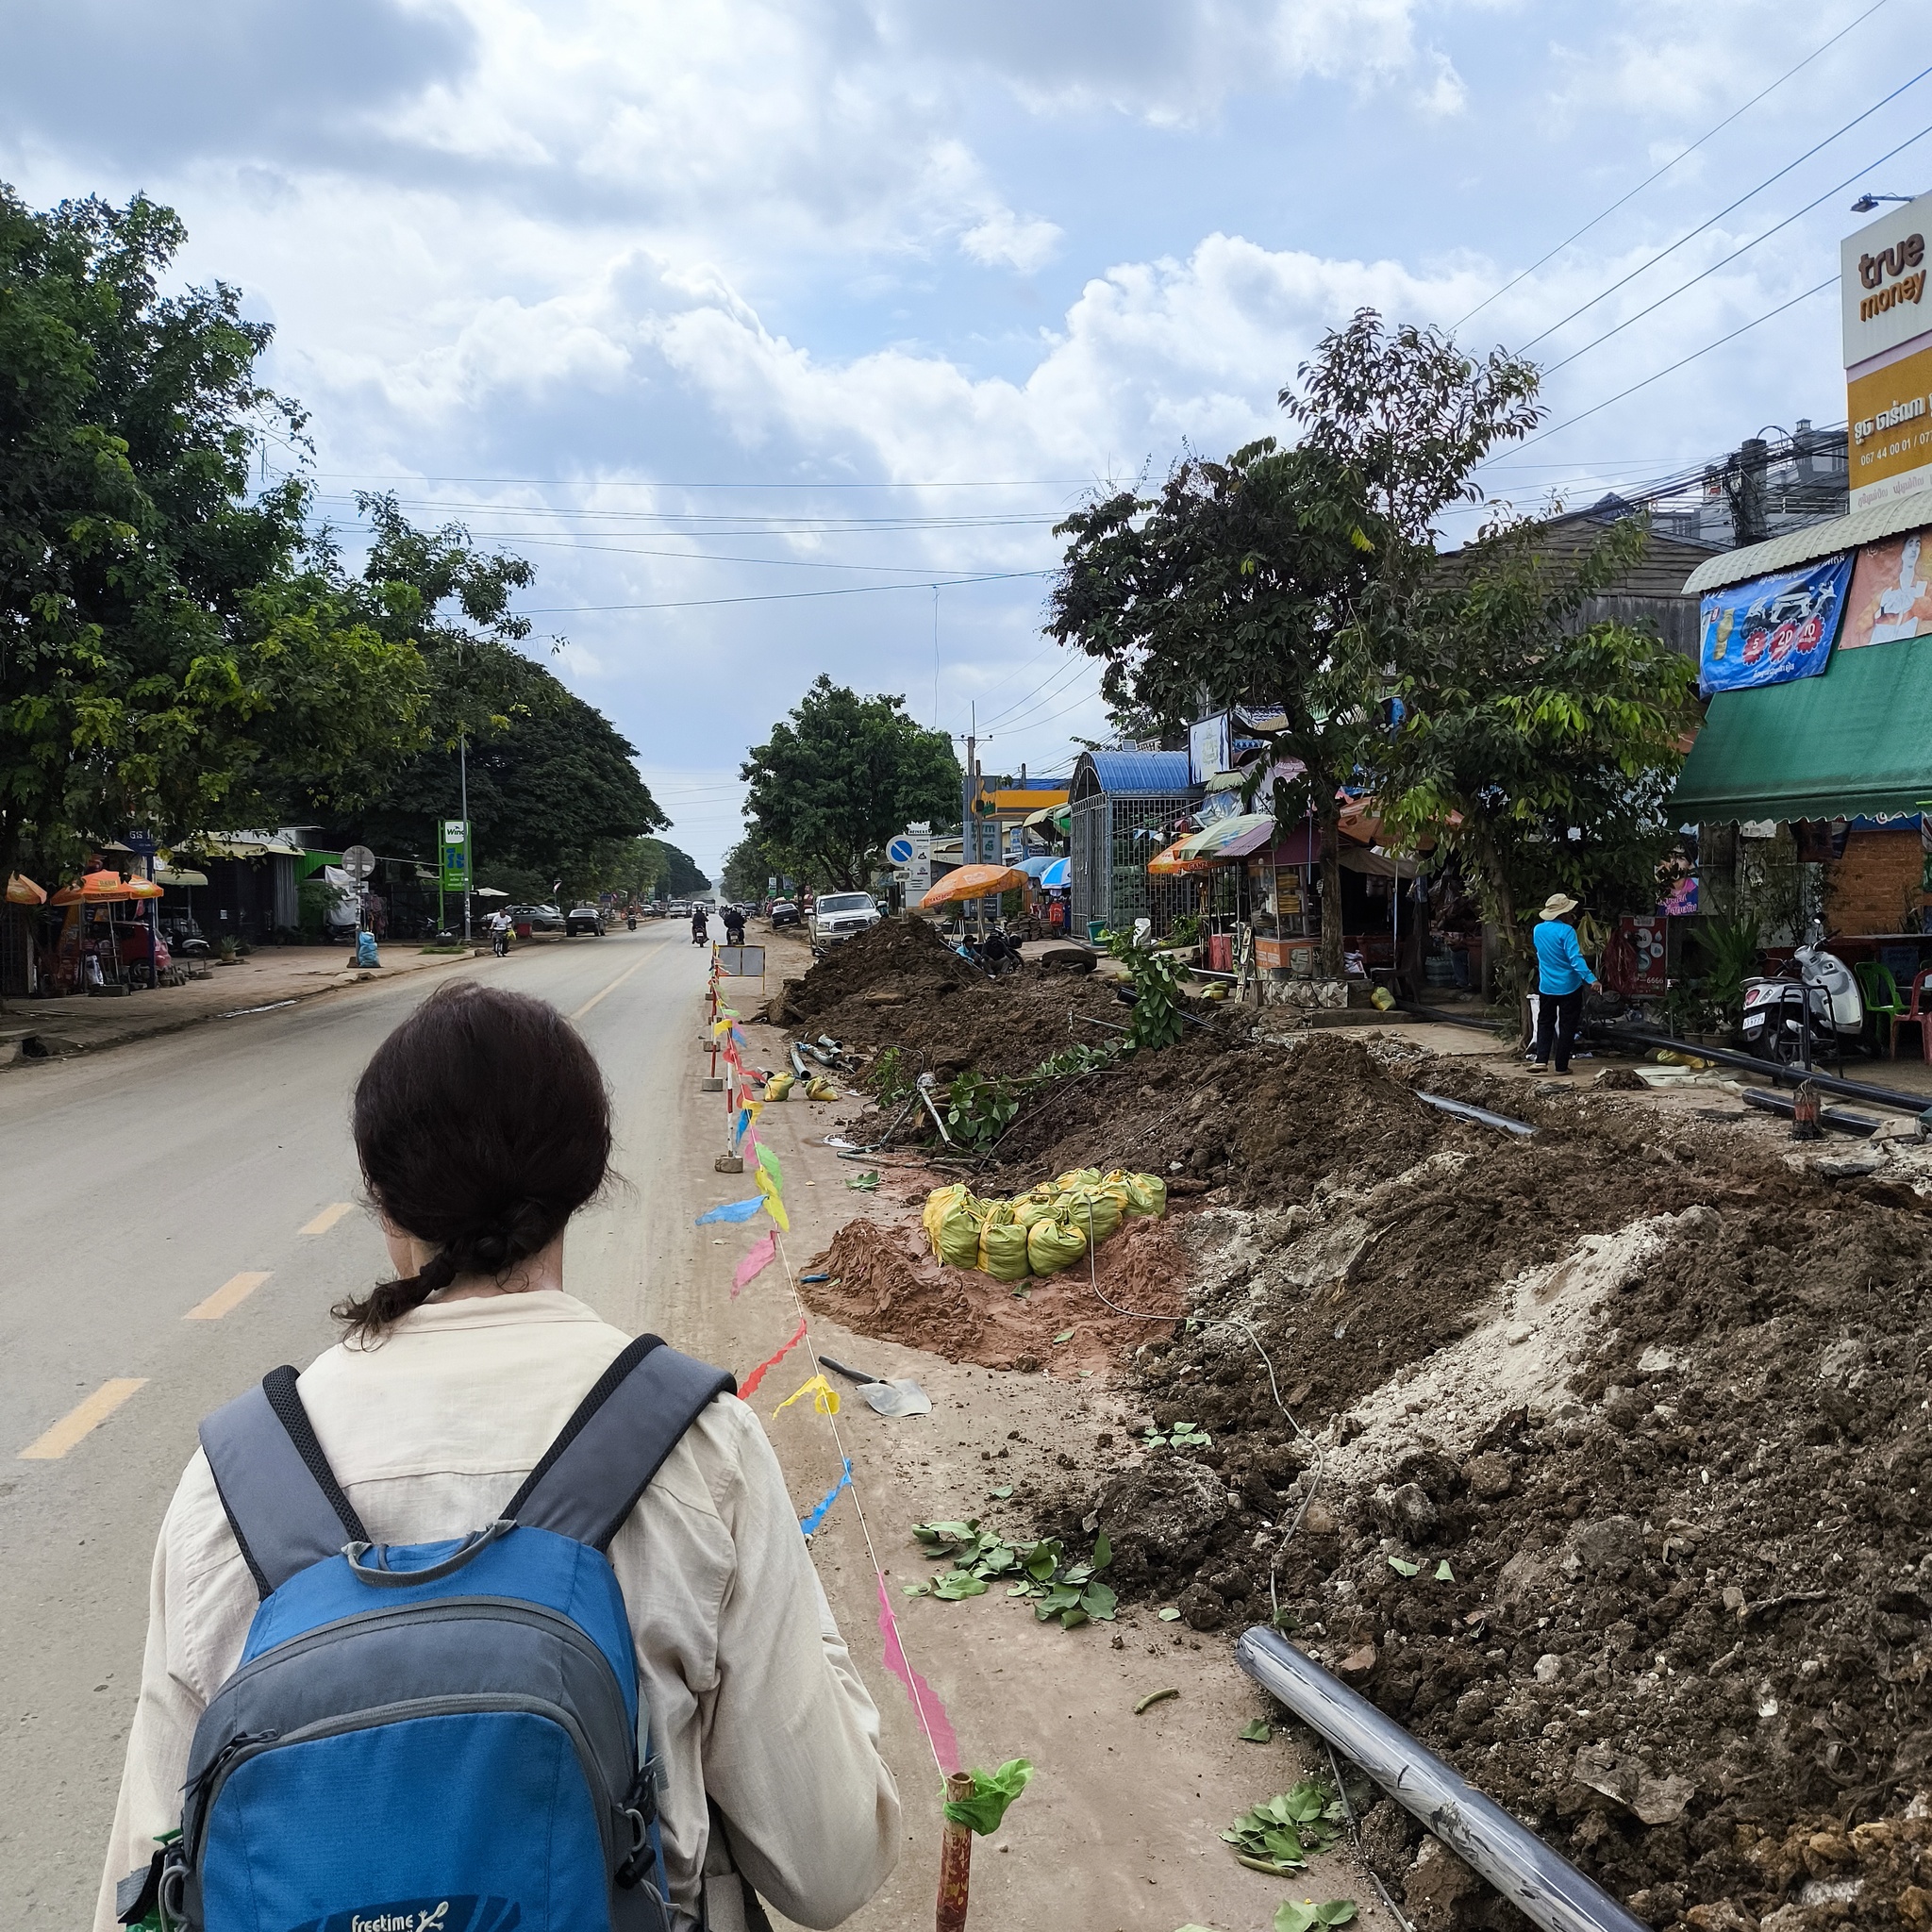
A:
(1541, 1883)
(1766, 1070)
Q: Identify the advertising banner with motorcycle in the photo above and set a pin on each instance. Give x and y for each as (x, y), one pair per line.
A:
(1773, 629)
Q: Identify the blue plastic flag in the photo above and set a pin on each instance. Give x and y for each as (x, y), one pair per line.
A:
(825, 1502)
(733, 1210)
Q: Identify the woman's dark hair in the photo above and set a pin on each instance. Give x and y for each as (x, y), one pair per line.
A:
(482, 1125)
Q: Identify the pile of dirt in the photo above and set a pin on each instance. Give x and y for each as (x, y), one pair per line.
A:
(1616, 1440)
(899, 961)
(886, 1283)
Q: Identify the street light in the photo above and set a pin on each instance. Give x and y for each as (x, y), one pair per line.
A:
(1866, 203)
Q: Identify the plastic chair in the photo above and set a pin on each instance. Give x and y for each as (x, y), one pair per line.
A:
(1882, 1002)
(1917, 1013)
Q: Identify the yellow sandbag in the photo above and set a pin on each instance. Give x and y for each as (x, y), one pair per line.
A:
(952, 1222)
(938, 1203)
(1094, 1212)
(818, 1087)
(1146, 1193)
(1078, 1177)
(1003, 1245)
(1054, 1244)
(779, 1085)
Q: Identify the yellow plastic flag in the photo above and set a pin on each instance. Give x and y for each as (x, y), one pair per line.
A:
(720, 1027)
(774, 1205)
(825, 1398)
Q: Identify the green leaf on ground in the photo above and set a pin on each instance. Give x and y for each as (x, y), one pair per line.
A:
(993, 1792)
(1065, 1335)
(1170, 1615)
(864, 1183)
(1278, 1834)
(1304, 1915)
(1443, 1573)
(1257, 1731)
(1152, 1698)
(1403, 1568)
(1001, 1490)
(956, 1584)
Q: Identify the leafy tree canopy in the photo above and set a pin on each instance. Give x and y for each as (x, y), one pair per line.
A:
(169, 655)
(680, 876)
(840, 777)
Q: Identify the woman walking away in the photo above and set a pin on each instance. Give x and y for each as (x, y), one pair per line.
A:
(491, 1615)
(1562, 973)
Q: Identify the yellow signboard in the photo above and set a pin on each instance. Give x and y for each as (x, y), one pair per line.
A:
(1890, 412)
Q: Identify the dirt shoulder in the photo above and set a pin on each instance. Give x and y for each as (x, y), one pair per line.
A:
(1591, 1456)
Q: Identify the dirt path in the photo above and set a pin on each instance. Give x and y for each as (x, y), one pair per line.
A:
(1119, 1829)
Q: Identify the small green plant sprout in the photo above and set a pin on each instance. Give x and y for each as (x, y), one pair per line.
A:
(1278, 1836)
(1181, 1436)
(888, 1079)
(993, 1792)
(1304, 1915)
(978, 1110)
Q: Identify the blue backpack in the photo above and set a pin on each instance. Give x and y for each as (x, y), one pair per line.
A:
(431, 1737)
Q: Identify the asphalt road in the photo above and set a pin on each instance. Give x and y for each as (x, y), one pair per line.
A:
(176, 1217)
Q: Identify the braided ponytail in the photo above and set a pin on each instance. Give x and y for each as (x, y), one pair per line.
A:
(482, 1125)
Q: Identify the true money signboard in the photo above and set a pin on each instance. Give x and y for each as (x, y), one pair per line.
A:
(1887, 319)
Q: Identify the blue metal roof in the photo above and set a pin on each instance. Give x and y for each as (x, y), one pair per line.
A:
(1139, 773)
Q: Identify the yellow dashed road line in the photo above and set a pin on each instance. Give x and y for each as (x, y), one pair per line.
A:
(81, 1422)
(231, 1295)
(329, 1216)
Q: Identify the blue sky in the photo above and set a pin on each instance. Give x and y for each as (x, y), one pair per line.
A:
(693, 302)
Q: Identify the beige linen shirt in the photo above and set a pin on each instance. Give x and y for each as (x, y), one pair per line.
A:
(751, 1695)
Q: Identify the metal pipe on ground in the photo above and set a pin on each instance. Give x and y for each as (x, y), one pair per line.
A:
(1549, 1891)
(1765, 1070)
(1462, 1110)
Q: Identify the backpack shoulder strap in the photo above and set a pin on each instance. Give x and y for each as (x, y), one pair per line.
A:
(590, 1479)
(281, 1497)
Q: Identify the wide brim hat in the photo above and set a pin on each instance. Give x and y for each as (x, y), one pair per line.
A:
(1556, 905)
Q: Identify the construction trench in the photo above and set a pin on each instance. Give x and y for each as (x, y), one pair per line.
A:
(1588, 1458)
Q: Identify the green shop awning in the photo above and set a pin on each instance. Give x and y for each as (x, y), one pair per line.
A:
(1857, 740)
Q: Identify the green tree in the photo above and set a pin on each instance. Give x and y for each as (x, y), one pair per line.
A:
(680, 877)
(841, 776)
(167, 655)
(1265, 580)
(1539, 748)
(749, 869)
(553, 786)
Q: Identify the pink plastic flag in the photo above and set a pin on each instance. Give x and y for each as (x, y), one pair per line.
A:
(926, 1700)
(757, 1374)
(761, 1257)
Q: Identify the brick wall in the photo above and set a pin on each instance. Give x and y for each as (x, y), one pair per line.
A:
(1869, 888)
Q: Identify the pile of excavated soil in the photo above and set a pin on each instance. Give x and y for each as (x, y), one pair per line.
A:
(904, 961)
(886, 1282)
(1620, 1437)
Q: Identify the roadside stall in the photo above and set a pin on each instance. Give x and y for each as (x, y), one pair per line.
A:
(101, 946)
(19, 963)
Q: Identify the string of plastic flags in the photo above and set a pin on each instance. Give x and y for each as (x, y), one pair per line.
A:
(731, 1046)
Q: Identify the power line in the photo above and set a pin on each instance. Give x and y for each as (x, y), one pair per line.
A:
(1693, 233)
(1660, 173)
(1057, 684)
(773, 596)
(657, 483)
(923, 571)
(1744, 248)
(1542, 436)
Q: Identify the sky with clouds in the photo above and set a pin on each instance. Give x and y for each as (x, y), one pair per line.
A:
(750, 324)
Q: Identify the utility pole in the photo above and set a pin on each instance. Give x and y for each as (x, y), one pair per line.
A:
(469, 839)
(968, 840)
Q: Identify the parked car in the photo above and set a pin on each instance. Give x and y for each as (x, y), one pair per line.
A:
(837, 916)
(584, 919)
(786, 913)
(532, 919)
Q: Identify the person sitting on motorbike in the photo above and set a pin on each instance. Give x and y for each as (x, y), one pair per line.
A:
(700, 926)
(499, 932)
(734, 926)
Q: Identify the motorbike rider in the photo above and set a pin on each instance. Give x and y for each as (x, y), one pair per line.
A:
(700, 926)
(499, 932)
(734, 926)
(630, 919)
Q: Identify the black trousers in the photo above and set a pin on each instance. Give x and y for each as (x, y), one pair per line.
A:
(1556, 1014)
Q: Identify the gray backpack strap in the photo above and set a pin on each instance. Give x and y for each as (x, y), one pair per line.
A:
(591, 1477)
(282, 1499)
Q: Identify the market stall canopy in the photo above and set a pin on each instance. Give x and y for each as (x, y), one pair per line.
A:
(23, 891)
(1857, 740)
(488, 892)
(1229, 837)
(1375, 865)
(178, 876)
(1035, 866)
(1169, 862)
(1056, 816)
(975, 882)
(104, 889)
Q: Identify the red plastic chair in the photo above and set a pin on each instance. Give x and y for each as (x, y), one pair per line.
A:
(1917, 1013)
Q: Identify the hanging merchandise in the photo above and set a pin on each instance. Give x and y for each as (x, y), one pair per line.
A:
(1774, 629)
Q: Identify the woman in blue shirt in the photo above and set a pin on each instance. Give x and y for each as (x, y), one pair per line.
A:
(1562, 973)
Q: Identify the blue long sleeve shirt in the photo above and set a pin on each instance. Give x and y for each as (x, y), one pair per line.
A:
(1560, 965)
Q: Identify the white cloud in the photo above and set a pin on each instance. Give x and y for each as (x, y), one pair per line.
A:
(1004, 240)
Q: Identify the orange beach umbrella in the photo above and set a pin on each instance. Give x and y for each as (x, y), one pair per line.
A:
(975, 882)
(104, 888)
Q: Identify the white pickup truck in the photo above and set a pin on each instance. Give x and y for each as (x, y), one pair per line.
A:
(837, 916)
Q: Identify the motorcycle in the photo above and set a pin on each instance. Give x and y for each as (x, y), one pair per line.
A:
(1809, 1008)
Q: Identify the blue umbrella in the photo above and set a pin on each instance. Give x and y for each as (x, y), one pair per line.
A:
(1056, 875)
(1034, 867)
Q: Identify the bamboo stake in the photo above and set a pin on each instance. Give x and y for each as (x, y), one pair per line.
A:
(955, 1860)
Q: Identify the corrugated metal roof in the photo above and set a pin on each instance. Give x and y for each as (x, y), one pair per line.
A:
(1139, 773)
(1868, 526)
